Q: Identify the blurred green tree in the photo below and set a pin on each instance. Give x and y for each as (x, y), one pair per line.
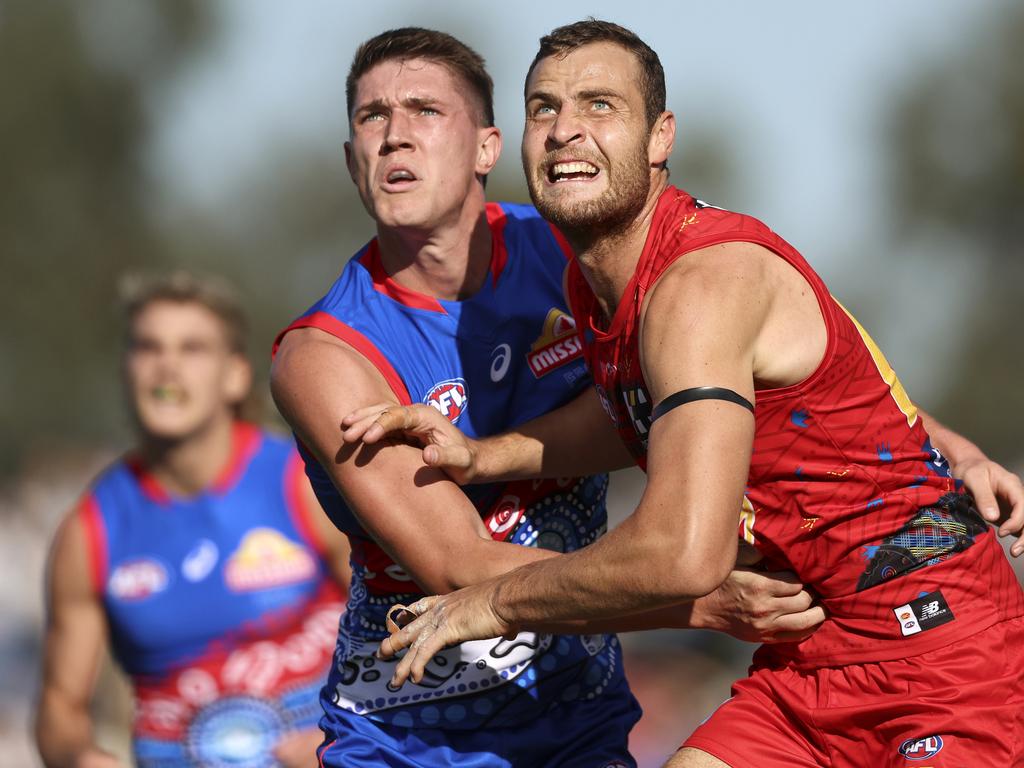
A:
(73, 208)
(957, 165)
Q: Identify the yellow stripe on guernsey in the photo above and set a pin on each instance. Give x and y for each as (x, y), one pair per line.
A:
(747, 517)
(899, 394)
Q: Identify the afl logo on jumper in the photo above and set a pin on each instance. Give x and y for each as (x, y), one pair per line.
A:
(558, 344)
(921, 749)
(266, 558)
(137, 579)
(449, 398)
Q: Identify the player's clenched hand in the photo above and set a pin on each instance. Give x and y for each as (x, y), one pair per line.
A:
(760, 607)
(444, 446)
(433, 623)
(998, 494)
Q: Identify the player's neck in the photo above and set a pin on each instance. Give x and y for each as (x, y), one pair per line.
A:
(189, 466)
(608, 260)
(449, 261)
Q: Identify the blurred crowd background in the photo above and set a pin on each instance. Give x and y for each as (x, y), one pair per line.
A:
(885, 141)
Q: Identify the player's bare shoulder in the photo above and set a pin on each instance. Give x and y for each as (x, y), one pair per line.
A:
(752, 294)
(67, 565)
(307, 356)
(722, 289)
(315, 375)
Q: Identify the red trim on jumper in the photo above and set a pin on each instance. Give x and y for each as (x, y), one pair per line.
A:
(245, 441)
(332, 325)
(298, 508)
(95, 541)
(562, 242)
(497, 219)
(148, 484)
(323, 751)
(383, 283)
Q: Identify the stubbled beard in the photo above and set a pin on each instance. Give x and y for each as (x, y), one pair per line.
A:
(614, 210)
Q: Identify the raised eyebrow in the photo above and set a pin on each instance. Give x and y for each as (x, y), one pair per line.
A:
(550, 98)
(377, 105)
(421, 101)
(600, 95)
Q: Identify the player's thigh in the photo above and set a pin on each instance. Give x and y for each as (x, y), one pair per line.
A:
(688, 757)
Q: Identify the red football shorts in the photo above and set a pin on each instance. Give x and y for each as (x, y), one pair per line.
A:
(961, 706)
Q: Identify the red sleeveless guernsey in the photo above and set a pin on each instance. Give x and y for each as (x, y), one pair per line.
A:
(845, 488)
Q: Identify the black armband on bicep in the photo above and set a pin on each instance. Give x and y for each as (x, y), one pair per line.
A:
(698, 393)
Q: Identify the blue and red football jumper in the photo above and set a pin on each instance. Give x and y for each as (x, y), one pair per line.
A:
(493, 361)
(220, 606)
(845, 489)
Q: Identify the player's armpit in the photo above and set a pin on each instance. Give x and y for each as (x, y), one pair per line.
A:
(415, 513)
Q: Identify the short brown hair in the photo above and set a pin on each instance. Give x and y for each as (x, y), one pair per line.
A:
(418, 43)
(139, 291)
(564, 40)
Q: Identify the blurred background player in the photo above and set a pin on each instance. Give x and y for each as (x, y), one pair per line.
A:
(201, 559)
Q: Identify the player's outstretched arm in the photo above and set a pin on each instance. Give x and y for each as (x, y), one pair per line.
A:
(420, 517)
(998, 492)
(576, 439)
(750, 605)
(72, 649)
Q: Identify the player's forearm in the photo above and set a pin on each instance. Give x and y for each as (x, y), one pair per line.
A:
(682, 616)
(626, 573)
(64, 734)
(474, 562)
(576, 439)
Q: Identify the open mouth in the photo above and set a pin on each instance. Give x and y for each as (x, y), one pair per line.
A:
(168, 394)
(575, 170)
(399, 177)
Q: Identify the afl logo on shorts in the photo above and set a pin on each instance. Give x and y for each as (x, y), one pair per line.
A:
(921, 749)
(449, 398)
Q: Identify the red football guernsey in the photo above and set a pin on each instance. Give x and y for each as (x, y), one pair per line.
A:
(845, 488)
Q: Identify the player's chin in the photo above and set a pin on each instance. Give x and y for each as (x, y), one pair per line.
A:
(169, 427)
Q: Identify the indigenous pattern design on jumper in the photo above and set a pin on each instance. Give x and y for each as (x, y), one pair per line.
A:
(845, 488)
(502, 357)
(220, 606)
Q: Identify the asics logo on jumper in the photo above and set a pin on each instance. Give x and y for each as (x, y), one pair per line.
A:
(200, 561)
(501, 358)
